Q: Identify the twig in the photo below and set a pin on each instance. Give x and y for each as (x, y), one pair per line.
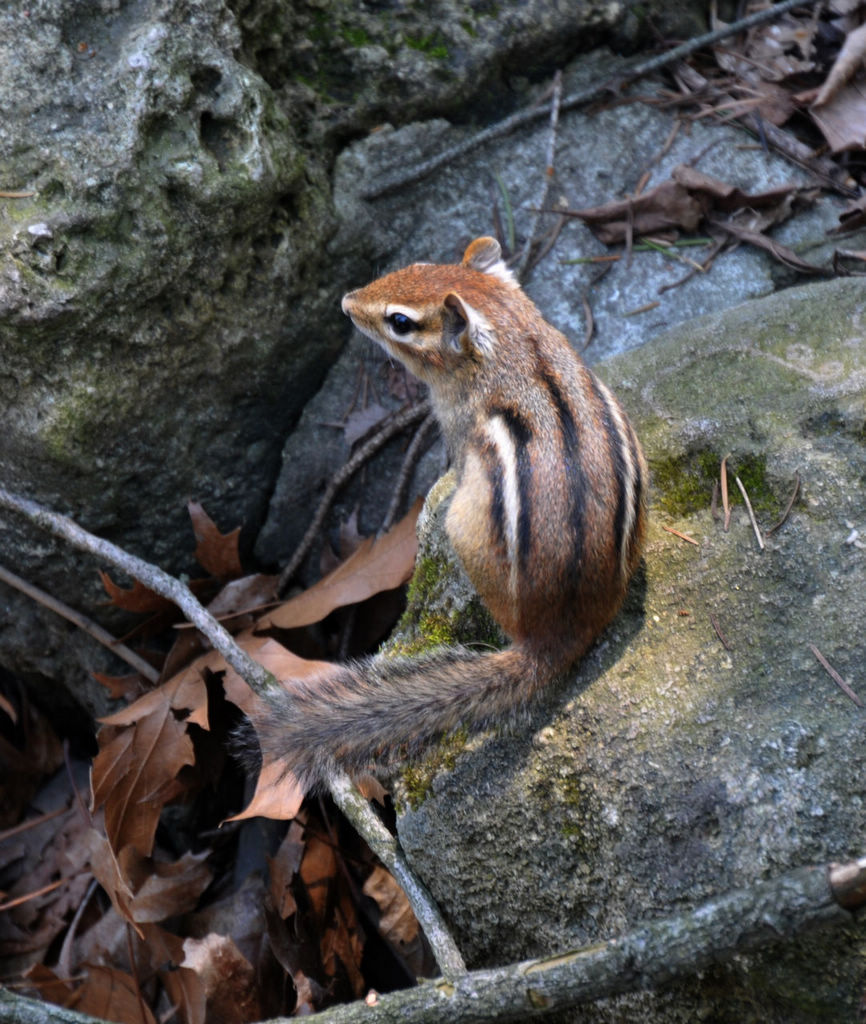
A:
(713, 251)
(410, 459)
(64, 957)
(547, 176)
(152, 576)
(25, 826)
(682, 536)
(650, 954)
(821, 167)
(788, 507)
(388, 850)
(726, 505)
(530, 114)
(834, 675)
(18, 900)
(589, 323)
(258, 678)
(510, 236)
(754, 521)
(719, 633)
(90, 627)
(350, 467)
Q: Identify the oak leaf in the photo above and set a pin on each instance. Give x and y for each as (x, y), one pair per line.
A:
(217, 552)
(383, 563)
(142, 749)
(110, 994)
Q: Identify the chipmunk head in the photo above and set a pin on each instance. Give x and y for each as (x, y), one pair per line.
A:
(434, 317)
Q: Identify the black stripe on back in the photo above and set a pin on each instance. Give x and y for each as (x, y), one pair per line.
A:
(493, 468)
(575, 477)
(521, 434)
(616, 447)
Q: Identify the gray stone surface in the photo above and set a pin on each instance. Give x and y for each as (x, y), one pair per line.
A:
(601, 155)
(168, 302)
(668, 768)
(149, 352)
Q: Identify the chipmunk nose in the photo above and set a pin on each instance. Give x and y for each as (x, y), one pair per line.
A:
(346, 304)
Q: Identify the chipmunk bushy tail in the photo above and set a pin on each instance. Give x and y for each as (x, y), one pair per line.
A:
(371, 710)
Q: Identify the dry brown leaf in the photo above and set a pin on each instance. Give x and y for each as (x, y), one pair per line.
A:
(7, 707)
(186, 991)
(397, 922)
(143, 890)
(244, 595)
(283, 867)
(165, 888)
(228, 978)
(776, 249)
(371, 789)
(381, 564)
(52, 849)
(342, 945)
(111, 994)
(50, 987)
(142, 749)
(667, 205)
(842, 120)
(767, 50)
(165, 954)
(137, 598)
(278, 795)
(727, 198)
(217, 552)
(317, 872)
(120, 687)
(852, 217)
(848, 62)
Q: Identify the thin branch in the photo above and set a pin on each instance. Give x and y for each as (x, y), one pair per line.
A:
(152, 576)
(726, 505)
(547, 176)
(788, 507)
(584, 96)
(259, 679)
(834, 675)
(824, 170)
(751, 512)
(346, 472)
(388, 850)
(682, 536)
(100, 635)
(410, 460)
(651, 954)
(722, 638)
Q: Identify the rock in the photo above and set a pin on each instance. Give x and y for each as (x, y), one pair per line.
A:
(152, 346)
(673, 766)
(168, 300)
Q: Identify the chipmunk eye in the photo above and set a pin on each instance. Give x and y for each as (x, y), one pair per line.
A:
(401, 324)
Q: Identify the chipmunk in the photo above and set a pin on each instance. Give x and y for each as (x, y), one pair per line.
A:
(547, 516)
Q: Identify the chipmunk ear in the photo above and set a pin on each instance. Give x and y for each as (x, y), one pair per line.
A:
(485, 254)
(465, 329)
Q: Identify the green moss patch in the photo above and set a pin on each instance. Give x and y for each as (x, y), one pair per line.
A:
(684, 483)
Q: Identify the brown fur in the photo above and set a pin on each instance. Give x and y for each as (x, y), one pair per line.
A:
(548, 515)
